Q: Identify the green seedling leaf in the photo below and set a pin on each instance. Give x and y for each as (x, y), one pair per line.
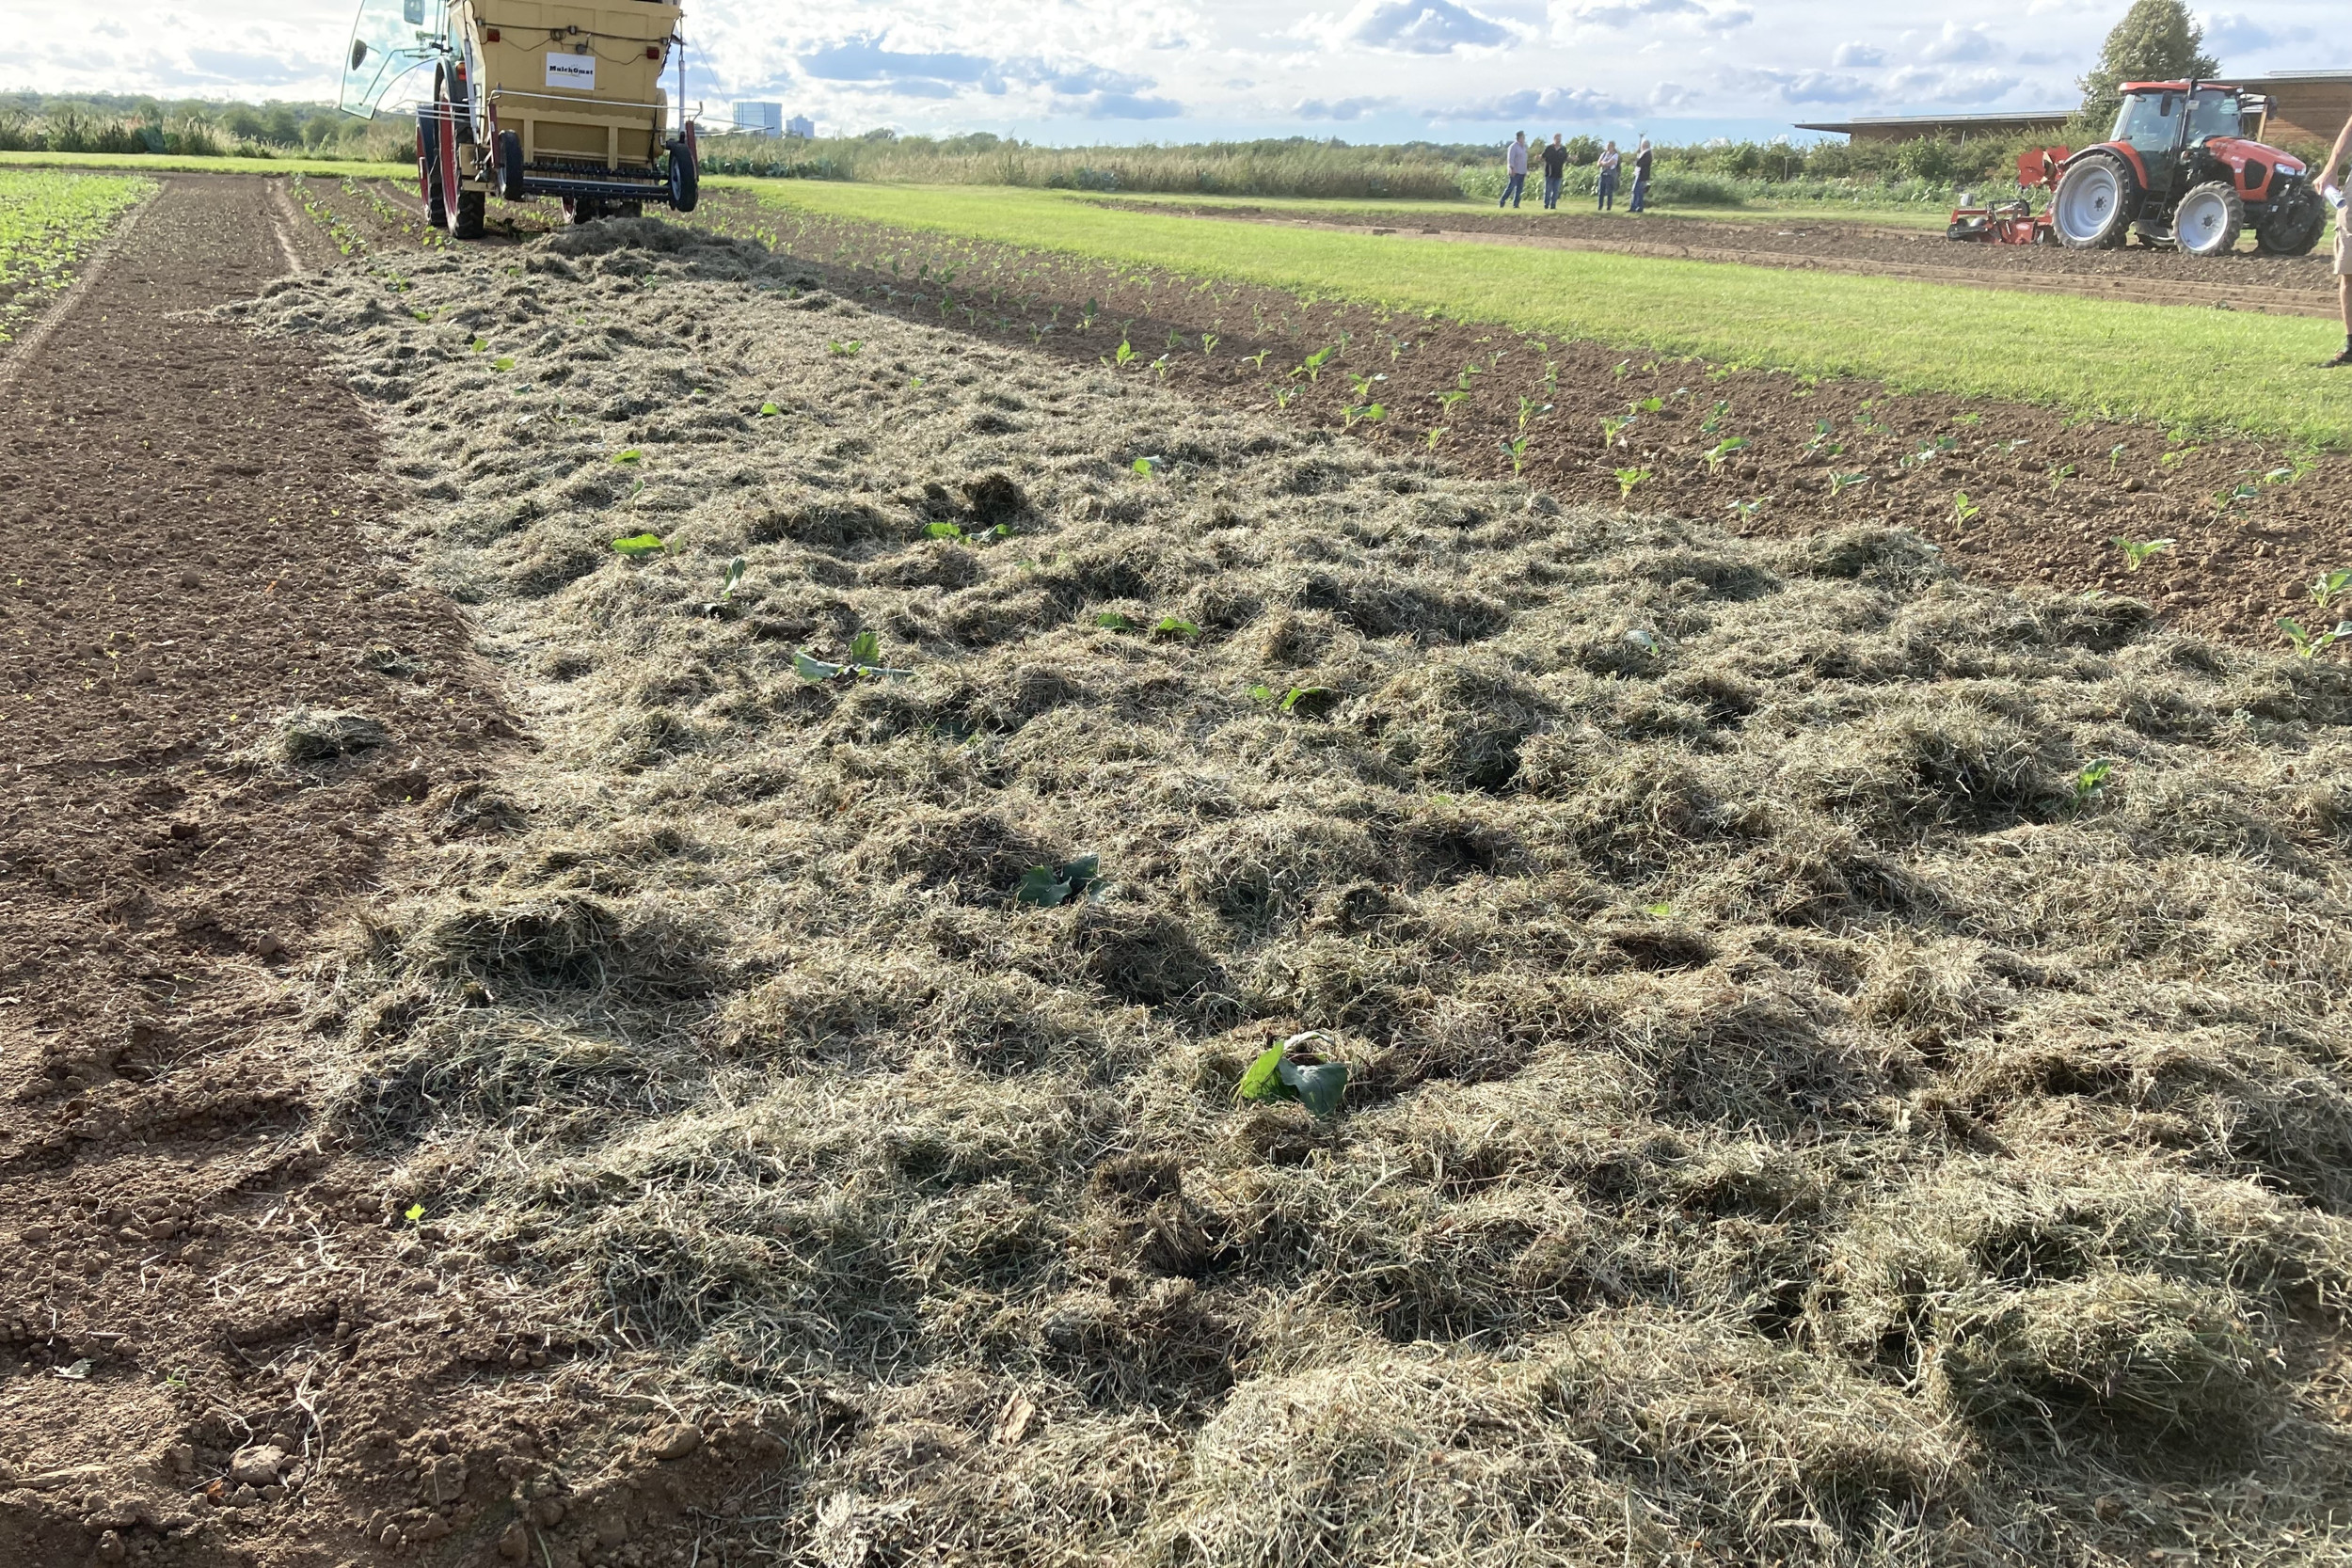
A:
(503, 362)
(812, 669)
(1176, 625)
(733, 580)
(2138, 553)
(414, 1212)
(1111, 619)
(1049, 887)
(1964, 510)
(1308, 700)
(629, 454)
(944, 530)
(1274, 1077)
(636, 545)
(1317, 1085)
(478, 344)
(2092, 781)
(769, 410)
(847, 350)
(2328, 585)
(1839, 483)
(1662, 909)
(1147, 466)
(865, 648)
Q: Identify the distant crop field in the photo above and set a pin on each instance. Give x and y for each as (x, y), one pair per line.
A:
(171, 162)
(47, 223)
(2204, 370)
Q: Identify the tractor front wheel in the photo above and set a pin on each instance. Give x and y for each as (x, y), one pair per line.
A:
(2293, 225)
(2209, 220)
(2095, 199)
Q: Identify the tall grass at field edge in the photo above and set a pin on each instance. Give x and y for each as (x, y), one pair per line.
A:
(169, 163)
(2190, 370)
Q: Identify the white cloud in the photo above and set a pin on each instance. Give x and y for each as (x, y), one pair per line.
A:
(1344, 109)
(1917, 84)
(1569, 103)
(1851, 55)
(1798, 86)
(1412, 27)
(1956, 45)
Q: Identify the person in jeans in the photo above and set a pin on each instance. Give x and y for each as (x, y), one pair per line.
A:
(1555, 164)
(1514, 163)
(1640, 176)
(1608, 161)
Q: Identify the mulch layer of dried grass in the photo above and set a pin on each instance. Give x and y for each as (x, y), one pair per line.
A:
(1798, 1112)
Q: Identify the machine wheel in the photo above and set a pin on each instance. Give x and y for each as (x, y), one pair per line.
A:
(583, 209)
(2095, 199)
(2209, 220)
(510, 165)
(684, 177)
(465, 219)
(429, 169)
(2293, 225)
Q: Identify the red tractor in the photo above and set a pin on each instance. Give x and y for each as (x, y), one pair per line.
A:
(2181, 170)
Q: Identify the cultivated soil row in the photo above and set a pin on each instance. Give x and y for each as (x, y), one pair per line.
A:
(2243, 280)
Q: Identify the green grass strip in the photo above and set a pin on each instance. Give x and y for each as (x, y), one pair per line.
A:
(2191, 369)
(169, 162)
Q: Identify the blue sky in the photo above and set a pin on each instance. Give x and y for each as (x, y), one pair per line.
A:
(1070, 71)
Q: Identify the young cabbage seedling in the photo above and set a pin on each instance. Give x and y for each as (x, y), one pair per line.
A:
(1287, 1072)
(2329, 585)
(1722, 449)
(1436, 434)
(2310, 644)
(845, 350)
(1517, 447)
(638, 545)
(1841, 483)
(1048, 887)
(1628, 480)
(1147, 466)
(2092, 783)
(1369, 413)
(2115, 455)
(864, 659)
(2138, 553)
(1175, 625)
(1964, 510)
(1256, 361)
(1748, 509)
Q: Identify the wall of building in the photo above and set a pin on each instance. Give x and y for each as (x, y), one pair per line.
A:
(2308, 111)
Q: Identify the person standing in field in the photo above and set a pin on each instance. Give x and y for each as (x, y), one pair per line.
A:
(1515, 164)
(1608, 161)
(1555, 165)
(1640, 176)
(2344, 238)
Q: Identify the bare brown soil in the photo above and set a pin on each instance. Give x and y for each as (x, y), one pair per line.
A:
(2245, 281)
(2050, 495)
(186, 1269)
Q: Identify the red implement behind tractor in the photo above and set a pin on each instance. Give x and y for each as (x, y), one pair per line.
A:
(2010, 222)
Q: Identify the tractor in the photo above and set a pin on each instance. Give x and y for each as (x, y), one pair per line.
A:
(2179, 169)
(532, 99)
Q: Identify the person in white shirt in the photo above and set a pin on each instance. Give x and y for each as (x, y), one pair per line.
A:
(2344, 238)
(1515, 164)
(1608, 161)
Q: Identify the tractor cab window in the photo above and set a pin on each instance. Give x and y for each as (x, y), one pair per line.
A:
(390, 38)
(2148, 121)
(2214, 114)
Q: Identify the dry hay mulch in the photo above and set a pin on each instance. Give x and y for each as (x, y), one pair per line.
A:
(1803, 1108)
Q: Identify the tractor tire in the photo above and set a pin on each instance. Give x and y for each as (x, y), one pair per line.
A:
(429, 169)
(465, 219)
(684, 177)
(510, 167)
(2094, 203)
(2209, 220)
(2293, 225)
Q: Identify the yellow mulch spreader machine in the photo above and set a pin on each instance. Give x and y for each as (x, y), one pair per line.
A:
(531, 98)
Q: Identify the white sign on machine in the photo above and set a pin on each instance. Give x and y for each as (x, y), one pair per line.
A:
(576, 72)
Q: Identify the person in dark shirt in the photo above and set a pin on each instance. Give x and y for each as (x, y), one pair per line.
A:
(1641, 176)
(1555, 164)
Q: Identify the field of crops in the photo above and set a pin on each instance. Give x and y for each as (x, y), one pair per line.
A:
(48, 221)
(921, 877)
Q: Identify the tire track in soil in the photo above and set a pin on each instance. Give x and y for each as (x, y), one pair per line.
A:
(187, 1266)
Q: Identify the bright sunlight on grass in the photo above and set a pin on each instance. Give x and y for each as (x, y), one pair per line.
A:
(2190, 369)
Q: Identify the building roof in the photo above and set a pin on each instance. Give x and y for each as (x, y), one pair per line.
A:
(2279, 76)
(1885, 123)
